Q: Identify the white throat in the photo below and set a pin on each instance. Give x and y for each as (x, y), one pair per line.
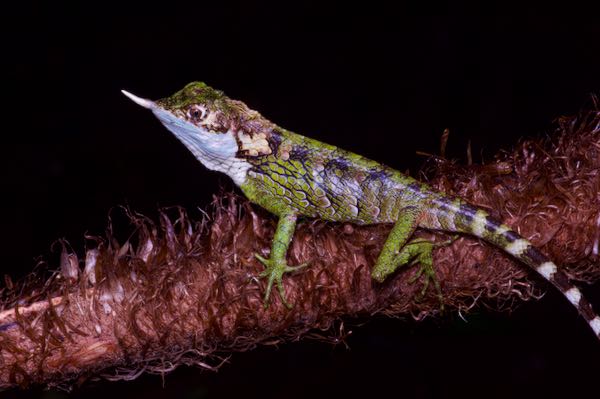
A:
(216, 151)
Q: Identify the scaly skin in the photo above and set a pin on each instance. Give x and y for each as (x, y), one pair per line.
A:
(295, 176)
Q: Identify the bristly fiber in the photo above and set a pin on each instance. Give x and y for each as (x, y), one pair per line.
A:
(180, 291)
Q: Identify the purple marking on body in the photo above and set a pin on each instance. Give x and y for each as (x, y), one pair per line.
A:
(299, 153)
(338, 163)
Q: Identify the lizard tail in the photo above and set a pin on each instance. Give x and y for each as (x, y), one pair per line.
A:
(463, 218)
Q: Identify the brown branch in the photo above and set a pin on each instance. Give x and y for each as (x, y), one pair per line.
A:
(185, 292)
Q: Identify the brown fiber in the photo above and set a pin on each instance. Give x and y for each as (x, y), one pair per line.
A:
(181, 291)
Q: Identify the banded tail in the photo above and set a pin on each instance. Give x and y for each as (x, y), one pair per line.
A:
(464, 218)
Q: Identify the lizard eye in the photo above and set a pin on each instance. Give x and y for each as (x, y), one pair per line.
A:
(195, 114)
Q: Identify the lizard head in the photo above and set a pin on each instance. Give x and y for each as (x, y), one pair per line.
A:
(221, 133)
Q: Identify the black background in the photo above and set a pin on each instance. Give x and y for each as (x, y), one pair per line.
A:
(73, 147)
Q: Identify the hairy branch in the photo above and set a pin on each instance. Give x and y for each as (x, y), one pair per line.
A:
(185, 292)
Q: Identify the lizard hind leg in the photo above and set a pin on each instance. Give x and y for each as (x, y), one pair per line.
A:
(391, 257)
(399, 251)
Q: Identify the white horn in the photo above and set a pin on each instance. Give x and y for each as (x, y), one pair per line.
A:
(140, 101)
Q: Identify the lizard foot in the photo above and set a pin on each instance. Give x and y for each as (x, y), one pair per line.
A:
(274, 272)
(420, 251)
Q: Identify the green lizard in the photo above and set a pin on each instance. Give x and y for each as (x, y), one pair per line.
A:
(291, 175)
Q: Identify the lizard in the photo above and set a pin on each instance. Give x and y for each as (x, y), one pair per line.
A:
(294, 176)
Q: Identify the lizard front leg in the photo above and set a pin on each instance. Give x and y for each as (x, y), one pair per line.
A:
(276, 265)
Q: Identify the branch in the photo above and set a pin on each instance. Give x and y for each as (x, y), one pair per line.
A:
(185, 292)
